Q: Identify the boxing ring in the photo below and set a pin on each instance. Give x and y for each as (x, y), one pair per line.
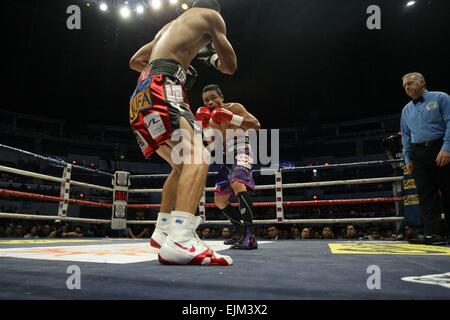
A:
(111, 268)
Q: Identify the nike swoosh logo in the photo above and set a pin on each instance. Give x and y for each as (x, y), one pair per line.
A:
(192, 249)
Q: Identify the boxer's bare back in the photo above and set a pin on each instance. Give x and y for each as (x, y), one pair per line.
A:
(182, 38)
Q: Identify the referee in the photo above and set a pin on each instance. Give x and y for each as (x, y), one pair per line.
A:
(425, 125)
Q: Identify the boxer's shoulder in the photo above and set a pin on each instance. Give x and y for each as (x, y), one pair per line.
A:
(233, 106)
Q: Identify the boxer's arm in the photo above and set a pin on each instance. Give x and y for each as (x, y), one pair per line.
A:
(227, 58)
(250, 121)
(140, 59)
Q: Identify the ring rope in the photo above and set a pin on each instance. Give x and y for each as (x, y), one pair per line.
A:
(51, 178)
(293, 203)
(36, 196)
(55, 161)
(272, 170)
(301, 185)
(212, 222)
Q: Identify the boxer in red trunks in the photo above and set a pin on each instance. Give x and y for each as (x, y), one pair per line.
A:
(159, 106)
(235, 178)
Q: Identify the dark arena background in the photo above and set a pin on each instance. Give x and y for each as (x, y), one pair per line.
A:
(333, 215)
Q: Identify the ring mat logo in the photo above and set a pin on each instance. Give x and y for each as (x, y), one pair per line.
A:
(442, 279)
(388, 248)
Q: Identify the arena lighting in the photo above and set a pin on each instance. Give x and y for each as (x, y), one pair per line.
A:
(410, 3)
(103, 6)
(124, 12)
(184, 6)
(173, 1)
(140, 9)
(155, 4)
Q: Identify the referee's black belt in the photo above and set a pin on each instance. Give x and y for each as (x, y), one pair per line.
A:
(429, 143)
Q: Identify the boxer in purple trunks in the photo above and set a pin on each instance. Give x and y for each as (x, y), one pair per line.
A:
(234, 178)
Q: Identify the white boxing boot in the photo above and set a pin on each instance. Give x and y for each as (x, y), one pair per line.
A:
(182, 248)
(198, 222)
(161, 232)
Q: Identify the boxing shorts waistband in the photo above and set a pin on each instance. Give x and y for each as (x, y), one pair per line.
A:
(429, 143)
(168, 67)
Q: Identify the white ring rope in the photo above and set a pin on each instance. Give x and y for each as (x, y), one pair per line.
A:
(302, 185)
(58, 162)
(292, 169)
(212, 222)
(51, 178)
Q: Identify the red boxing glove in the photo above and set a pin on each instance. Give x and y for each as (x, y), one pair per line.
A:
(220, 115)
(203, 114)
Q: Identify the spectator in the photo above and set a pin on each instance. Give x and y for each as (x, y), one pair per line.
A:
(9, 232)
(272, 233)
(18, 231)
(33, 234)
(206, 233)
(45, 231)
(327, 233)
(138, 231)
(295, 233)
(226, 233)
(306, 234)
(72, 234)
(408, 233)
(351, 232)
(375, 234)
(316, 235)
(388, 233)
(213, 233)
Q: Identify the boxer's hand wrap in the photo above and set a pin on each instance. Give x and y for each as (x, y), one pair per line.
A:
(203, 114)
(208, 55)
(220, 115)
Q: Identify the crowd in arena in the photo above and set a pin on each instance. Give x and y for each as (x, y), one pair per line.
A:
(28, 229)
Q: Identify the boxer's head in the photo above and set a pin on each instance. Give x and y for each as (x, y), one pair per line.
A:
(208, 4)
(212, 96)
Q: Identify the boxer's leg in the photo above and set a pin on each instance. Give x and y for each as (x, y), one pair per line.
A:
(221, 200)
(181, 246)
(248, 240)
(193, 175)
(168, 199)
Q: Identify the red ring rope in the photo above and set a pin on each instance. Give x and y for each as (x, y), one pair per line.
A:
(207, 205)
